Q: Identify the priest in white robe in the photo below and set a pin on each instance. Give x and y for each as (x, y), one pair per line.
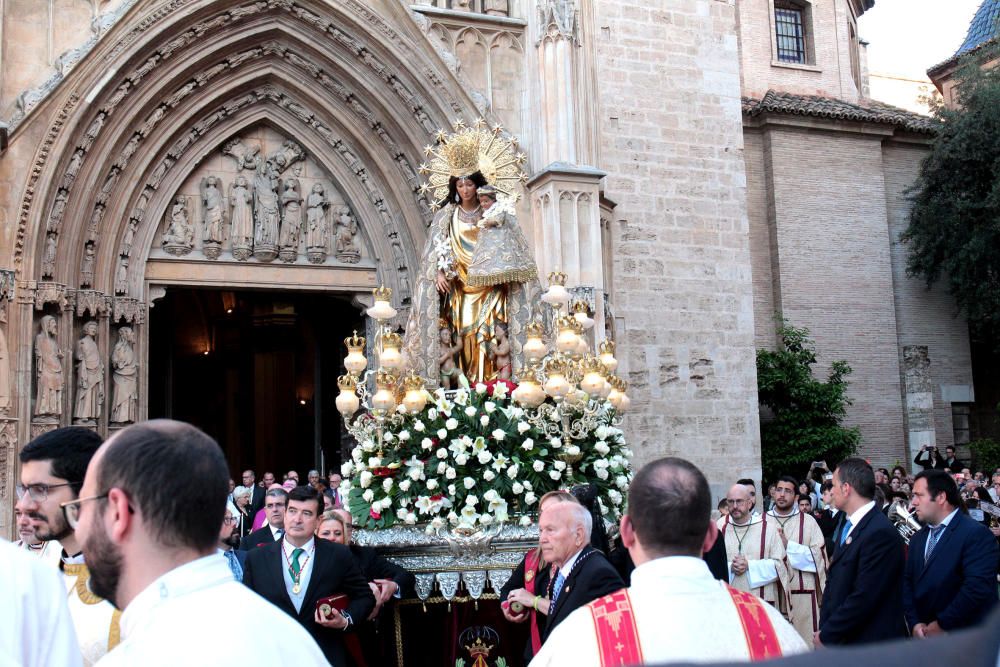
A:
(805, 557)
(754, 551)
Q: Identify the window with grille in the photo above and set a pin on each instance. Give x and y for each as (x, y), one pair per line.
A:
(790, 31)
(960, 413)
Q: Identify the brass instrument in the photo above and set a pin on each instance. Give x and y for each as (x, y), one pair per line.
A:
(993, 511)
(904, 521)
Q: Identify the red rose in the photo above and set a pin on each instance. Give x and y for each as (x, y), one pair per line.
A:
(375, 515)
(437, 496)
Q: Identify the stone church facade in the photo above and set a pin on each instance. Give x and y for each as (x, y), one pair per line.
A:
(690, 179)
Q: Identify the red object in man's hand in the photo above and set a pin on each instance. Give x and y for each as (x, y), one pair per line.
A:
(326, 606)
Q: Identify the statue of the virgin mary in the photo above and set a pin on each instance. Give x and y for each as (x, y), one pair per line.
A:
(453, 319)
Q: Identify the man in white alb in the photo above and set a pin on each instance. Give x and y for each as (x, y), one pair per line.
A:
(151, 537)
(675, 610)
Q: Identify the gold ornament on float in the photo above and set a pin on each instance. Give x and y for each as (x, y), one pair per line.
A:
(468, 150)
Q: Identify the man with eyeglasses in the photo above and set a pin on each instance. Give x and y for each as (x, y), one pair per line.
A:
(275, 502)
(256, 492)
(151, 536)
(52, 471)
(235, 558)
(754, 551)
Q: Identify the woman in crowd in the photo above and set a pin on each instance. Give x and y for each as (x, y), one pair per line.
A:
(244, 522)
(331, 527)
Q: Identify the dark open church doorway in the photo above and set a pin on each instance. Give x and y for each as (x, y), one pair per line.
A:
(256, 370)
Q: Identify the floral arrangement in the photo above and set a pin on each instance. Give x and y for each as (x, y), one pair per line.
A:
(473, 458)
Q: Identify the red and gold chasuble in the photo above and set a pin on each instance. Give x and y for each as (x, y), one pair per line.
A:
(618, 637)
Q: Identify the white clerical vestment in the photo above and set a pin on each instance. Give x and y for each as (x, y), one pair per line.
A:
(35, 627)
(96, 620)
(806, 562)
(766, 576)
(682, 614)
(186, 617)
(49, 552)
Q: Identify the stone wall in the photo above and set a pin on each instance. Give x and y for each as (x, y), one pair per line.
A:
(671, 143)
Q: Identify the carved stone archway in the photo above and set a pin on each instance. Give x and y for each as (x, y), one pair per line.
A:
(357, 85)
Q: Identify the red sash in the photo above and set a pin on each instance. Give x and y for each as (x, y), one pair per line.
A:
(614, 626)
(762, 641)
(530, 579)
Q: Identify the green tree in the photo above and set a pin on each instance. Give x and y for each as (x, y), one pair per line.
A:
(806, 414)
(954, 226)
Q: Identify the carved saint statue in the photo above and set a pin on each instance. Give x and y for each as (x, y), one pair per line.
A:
(121, 276)
(89, 377)
(265, 209)
(211, 209)
(291, 219)
(344, 238)
(49, 258)
(125, 395)
(316, 231)
(4, 362)
(87, 266)
(241, 233)
(179, 237)
(48, 370)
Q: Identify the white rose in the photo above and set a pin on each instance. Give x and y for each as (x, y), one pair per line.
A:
(602, 432)
(489, 475)
(404, 436)
(485, 457)
(346, 469)
(356, 453)
(437, 523)
(367, 446)
(432, 414)
(517, 488)
(602, 448)
(555, 474)
(471, 501)
(480, 388)
(366, 479)
(442, 434)
(491, 496)
(489, 406)
(468, 482)
(451, 425)
(461, 459)
(621, 481)
(602, 473)
(368, 495)
(484, 420)
(538, 465)
(432, 484)
(387, 484)
(470, 411)
(442, 466)
(559, 465)
(512, 471)
(346, 486)
(418, 426)
(556, 443)
(441, 453)
(528, 444)
(411, 518)
(450, 473)
(404, 486)
(523, 426)
(388, 436)
(572, 450)
(374, 462)
(426, 443)
(530, 498)
(452, 490)
(498, 434)
(485, 519)
(616, 497)
(415, 474)
(525, 520)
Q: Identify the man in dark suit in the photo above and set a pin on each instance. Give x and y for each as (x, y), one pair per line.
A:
(830, 519)
(863, 600)
(235, 558)
(952, 462)
(299, 570)
(950, 578)
(275, 502)
(583, 574)
(256, 492)
(393, 581)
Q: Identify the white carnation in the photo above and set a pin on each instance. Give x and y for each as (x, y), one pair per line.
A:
(452, 490)
(346, 469)
(368, 495)
(572, 450)
(366, 479)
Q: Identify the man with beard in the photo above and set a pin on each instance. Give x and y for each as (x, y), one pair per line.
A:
(805, 550)
(754, 551)
(235, 558)
(151, 536)
(28, 539)
(52, 470)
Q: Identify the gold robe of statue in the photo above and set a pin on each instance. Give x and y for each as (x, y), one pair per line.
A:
(759, 542)
(806, 547)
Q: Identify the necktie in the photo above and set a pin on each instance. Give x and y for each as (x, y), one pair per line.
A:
(234, 565)
(557, 586)
(933, 540)
(295, 569)
(845, 531)
(279, 533)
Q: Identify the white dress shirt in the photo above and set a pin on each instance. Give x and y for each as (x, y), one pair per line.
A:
(858, 515)
(35, 626)
(944, 522)
(305, 573)
(676, 601)
(185, 618)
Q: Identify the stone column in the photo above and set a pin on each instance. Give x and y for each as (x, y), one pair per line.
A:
(919, 398)
(8, 419)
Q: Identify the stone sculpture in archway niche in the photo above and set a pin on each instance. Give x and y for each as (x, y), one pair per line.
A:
(125, 395)
(260, 197)
(48, 370)
(89, 377)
